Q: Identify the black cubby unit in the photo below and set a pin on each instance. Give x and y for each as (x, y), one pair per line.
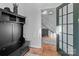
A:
(9, 16)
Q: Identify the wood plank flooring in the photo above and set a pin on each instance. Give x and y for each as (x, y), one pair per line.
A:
(46, 50)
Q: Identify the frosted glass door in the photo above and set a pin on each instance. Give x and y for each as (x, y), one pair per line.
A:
(60, 37)
(65, 47)
(65, 38)
(64, 19)
(60, 12)
(64, 10)
(70, 50)
(60, 45)
(70, 39)
(60, 20)
(70, 18)
(64, 28)
(70, 29)
(70, 8)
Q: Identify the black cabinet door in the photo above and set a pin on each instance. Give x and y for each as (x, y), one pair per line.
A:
(5, 33)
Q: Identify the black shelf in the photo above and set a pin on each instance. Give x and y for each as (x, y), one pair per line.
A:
(11, 16)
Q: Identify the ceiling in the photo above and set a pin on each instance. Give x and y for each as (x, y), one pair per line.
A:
(48, 5)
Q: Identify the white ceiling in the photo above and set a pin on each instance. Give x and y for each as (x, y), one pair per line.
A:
(48, 5)
(42, 5)
(29, 8)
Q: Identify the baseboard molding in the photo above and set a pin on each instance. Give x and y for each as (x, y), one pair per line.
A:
(35, 46)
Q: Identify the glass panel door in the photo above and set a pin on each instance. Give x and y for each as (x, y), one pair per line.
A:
(65, 18)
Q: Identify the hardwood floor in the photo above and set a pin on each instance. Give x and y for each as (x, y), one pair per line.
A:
(46, 50)
(49, 50)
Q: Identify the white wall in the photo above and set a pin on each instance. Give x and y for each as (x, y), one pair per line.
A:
(2, 5)
(32, 28)
(49, 20)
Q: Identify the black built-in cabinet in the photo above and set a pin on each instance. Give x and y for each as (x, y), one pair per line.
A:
(11, 33)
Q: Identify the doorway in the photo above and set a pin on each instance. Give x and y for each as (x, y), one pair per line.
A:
(48, 32)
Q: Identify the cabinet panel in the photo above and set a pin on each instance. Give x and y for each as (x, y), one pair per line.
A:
(5, 33)
(5, 17)
(16, 31)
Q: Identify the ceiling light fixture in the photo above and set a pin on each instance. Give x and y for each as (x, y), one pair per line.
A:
(44, 12)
